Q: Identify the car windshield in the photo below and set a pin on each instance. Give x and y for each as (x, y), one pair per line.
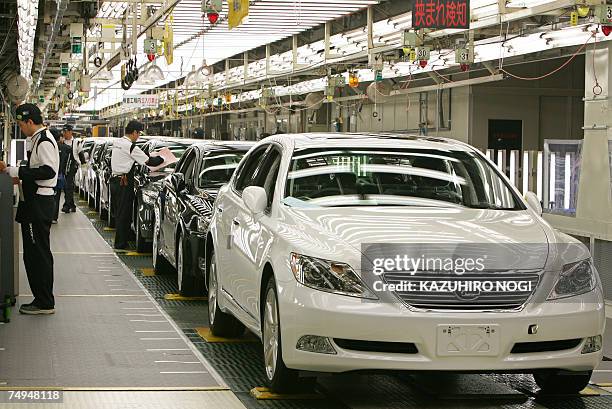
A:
(403, 177)
(177, 150)
(218, 167)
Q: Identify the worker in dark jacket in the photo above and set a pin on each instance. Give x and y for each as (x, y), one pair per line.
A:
(38, 178)
(124, 155)
(64, 151)
(75, 159)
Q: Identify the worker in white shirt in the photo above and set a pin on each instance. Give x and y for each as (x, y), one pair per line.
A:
(124, 155)
(38, 177)
(75, 159)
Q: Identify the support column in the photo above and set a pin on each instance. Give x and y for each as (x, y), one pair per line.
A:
(594, 207)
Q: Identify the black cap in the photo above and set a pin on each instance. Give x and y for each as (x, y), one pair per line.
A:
(67, 127)
(26, 112)
(133, 126)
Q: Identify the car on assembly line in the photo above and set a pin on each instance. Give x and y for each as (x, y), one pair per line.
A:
(79, 178)
(147, 185)
(184, 206)
(90, 179)
(291, 236)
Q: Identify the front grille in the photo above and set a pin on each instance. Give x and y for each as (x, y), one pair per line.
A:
(498, 298)
(545, 346)
(375, 346)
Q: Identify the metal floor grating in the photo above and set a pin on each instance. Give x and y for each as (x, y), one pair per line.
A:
(241, 367)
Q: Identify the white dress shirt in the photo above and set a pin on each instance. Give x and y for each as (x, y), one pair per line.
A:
(123, 156)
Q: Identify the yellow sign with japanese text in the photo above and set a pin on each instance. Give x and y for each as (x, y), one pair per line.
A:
(237, 11)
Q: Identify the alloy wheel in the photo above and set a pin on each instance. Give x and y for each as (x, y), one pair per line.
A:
(155, 242)
(179, 264)
(212, 290)
(270, 335)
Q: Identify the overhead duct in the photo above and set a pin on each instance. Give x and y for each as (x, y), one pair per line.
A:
(62, 5)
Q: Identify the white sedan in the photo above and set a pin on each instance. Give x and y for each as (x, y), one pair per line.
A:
(321, 245)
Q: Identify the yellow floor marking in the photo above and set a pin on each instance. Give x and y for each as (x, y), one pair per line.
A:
(109, 229)
(204, 333)
(604, 384)
(121, 251)
(590, 391)
(135, 253)
(92, 212)
(178, 297)
(261, 393)
(122, 388)
(148, 272)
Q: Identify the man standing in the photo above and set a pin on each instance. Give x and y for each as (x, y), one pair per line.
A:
(75, 159)
(64, 152)
(124, 155)
(36, 207)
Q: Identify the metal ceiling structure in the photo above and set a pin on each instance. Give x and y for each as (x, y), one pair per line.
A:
(9, 62)
(284, 44)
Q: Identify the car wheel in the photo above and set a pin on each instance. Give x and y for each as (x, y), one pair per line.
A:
(188, 282)
(221, 324)
(555, 382)
(141, 245)
(280, 378)
(109, 213)
(160, 264)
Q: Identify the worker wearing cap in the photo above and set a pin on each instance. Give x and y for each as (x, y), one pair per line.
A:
(36, 208)
(124, 155)
(75, 158)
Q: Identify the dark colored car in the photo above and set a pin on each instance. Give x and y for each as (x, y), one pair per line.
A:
(147, 185)
(184, 207)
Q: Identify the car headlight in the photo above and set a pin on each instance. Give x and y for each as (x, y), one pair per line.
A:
(329, 276)
(149, 197)
(575, 278)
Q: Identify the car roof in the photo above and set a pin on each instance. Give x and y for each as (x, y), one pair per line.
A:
(373, 140)
(209, 144)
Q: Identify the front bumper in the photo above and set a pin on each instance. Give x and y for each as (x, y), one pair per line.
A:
(309, 312)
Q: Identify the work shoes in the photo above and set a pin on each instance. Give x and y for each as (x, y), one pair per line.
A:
(31, 309)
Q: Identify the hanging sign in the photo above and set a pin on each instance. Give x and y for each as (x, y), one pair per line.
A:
(237, 11)
(140, 101)
(441, 14)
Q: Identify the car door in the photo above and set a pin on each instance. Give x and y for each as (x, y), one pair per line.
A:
(171, 208)
(227, 206)
(253, 234)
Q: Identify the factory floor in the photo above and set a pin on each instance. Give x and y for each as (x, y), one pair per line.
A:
(121, 338)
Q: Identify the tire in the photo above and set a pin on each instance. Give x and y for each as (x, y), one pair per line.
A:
(221, 324)
(188, 282)
(280, 378)
(109, 213)
(160, 264)
(554, 382)
(141, 245)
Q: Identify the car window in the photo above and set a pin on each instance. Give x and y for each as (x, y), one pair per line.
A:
(267, 173)
(188, 167)
(402, 177)
(182, 163)
(246, 171)
(217, 168)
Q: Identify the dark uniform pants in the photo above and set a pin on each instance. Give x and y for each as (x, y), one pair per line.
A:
(123, 203)
(69, 192)
(38, 261)
(57, 196)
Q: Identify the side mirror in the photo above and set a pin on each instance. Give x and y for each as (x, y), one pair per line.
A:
(178, 182)
(533, 202)
(255, 199)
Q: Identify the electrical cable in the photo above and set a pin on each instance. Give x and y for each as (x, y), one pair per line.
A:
(569, 60)
(597, 89)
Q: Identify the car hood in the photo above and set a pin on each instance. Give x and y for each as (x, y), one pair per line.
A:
(331, 232)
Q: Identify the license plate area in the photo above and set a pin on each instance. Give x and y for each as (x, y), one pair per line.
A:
(468, 340)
